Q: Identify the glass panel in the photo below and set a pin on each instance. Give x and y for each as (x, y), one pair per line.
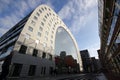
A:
(65, 53)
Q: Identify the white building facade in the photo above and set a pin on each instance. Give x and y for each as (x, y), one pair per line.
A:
(34, 47)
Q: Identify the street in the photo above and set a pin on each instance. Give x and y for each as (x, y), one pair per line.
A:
(88, 76)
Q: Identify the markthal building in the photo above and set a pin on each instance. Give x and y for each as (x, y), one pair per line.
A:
(39, 44)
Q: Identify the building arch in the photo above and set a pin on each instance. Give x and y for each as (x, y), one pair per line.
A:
(42, 26)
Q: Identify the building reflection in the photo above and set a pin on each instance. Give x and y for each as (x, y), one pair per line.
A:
(66, 63)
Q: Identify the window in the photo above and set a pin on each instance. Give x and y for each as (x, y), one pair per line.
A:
(42, 23)
(16, 69)
(53, 28)
(32, 22)
(32, 69)
(52, 31)
(40, 28)
(35, 18)
(23, 49)
(40, 11)
(39, 34)
(43, 9)
(44, 20)
(45, 16)
(44, 55)
(49, 9)
(27, 36)
(30, 29)
(50, 13)
(38, 14)
(35, 52)
(54, 25)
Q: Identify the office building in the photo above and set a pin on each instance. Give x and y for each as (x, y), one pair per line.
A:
(109, 32)
(86, 61)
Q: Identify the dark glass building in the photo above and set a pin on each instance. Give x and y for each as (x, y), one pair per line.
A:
(109, 32)
(86, 61)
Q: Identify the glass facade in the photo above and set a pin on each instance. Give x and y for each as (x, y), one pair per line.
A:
(66, 58)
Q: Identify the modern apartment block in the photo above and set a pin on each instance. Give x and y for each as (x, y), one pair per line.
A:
(32, 42)
(109, 32)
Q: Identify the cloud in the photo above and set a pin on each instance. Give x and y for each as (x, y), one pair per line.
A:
(3, 5)
(93, 50)
(77, 12)
(14, 11)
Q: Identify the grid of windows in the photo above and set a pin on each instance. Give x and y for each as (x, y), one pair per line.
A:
(30, 28)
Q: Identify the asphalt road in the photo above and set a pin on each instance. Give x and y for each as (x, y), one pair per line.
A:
(89, 76)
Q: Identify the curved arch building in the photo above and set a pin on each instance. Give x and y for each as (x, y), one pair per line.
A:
(33, 43)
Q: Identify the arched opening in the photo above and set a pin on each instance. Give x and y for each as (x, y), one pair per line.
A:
(66, 60)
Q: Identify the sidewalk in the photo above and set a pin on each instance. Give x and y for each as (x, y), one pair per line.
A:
(101, 76)
(55, 77)
(59, 77)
